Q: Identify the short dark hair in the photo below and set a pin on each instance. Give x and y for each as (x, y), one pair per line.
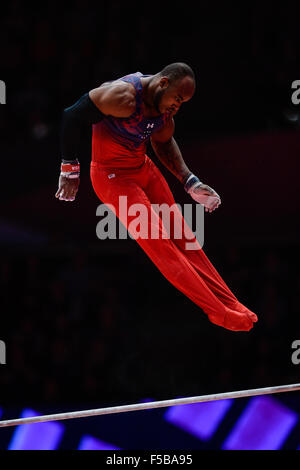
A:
(176, 71)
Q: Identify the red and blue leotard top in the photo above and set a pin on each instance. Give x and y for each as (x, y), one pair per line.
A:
(122, 142)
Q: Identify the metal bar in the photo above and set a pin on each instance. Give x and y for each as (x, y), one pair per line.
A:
(152, 405)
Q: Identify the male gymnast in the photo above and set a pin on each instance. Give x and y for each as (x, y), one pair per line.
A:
(124, 114)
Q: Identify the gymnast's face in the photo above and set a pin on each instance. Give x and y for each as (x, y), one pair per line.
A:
(170, 95)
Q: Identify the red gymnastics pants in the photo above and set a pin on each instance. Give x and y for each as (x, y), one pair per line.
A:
(189, 271)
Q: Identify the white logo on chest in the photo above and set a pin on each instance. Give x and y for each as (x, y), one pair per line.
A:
(147, 132)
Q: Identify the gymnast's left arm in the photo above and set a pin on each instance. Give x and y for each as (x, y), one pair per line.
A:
(168, 152)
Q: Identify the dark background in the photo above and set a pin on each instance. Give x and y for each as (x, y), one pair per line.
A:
(90, 322)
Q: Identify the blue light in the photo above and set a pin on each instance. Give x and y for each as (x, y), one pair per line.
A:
(91, 443)
(199, 419)
(37, 436)
(263, 425)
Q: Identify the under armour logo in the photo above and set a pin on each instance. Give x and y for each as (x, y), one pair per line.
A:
(112, 175)
(150, 125)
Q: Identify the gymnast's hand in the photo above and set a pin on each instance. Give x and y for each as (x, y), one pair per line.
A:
(202, 193)
(68, 183)
(67, 188)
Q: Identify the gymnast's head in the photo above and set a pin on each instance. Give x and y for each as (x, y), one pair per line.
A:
(175, 84)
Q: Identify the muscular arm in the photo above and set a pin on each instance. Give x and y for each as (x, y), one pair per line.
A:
(168, 152)
(115, 99)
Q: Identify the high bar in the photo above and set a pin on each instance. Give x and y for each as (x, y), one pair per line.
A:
(152, 405)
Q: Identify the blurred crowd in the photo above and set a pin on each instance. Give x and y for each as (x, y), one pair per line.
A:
(100, 327)
(91, 327)
(244, 58)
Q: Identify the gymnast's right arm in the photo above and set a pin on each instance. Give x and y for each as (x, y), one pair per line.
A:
(115, 99)
(82, 113)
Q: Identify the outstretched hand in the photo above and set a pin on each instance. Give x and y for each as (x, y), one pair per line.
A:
(67, 188)
(205, 195)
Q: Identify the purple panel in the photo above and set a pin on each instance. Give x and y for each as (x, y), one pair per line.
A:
(199, 419)
(36, 436)
(263, 425)
(91, 443)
